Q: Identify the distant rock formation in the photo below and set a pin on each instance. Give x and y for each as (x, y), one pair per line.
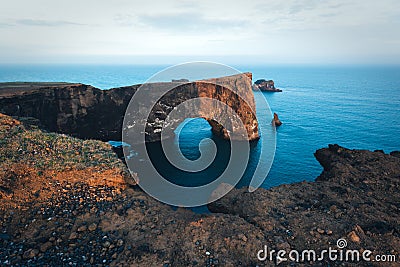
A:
(87, 112)
(275, 121)
(266, 86)
(180, 81)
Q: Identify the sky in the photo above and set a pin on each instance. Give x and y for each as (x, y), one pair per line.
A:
(236, 31)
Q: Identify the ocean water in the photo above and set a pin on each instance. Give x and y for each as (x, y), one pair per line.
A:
(354, 106)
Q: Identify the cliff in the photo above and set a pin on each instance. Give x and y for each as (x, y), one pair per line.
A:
(76, 109)
(64, 201)
(87, 112)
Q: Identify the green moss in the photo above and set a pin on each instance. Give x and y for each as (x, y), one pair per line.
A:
(53, 151)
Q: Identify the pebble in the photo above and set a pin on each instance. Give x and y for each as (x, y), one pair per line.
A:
(73, 235)
(5, 236)
(338, 215)
(333, 208)
(289, 233)
(44, 247)
(30, 253)
(243, 237)
(82, 228)
(354, 237)
(106, 244)
(92, 227)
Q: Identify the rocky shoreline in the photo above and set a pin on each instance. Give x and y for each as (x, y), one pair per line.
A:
(65, 201)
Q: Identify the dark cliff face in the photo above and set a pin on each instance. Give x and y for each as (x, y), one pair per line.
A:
(76, 109)
(90, 113)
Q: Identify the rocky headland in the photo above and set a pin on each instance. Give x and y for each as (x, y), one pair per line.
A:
(87, 112)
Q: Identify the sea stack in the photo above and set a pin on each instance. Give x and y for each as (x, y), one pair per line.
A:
(265, 86)
(276, 121)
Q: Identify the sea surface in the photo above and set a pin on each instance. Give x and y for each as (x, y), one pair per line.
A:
(354, 106)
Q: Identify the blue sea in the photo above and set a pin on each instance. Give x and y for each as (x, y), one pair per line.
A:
(354, 106)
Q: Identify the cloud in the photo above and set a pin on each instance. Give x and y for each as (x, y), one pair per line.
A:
(46, 23)
(316, 30)
(187, 5)
(189, 21)
(329, 15)
(126, 20)
(5, 24)
(298, 8)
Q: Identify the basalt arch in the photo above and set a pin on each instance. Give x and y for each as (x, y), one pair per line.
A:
(217, 100)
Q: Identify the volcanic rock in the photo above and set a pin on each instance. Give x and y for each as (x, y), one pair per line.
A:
(265, 86)
(180, 80)
(275, 121)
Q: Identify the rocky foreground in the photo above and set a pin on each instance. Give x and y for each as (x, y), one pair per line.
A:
(65, 201)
